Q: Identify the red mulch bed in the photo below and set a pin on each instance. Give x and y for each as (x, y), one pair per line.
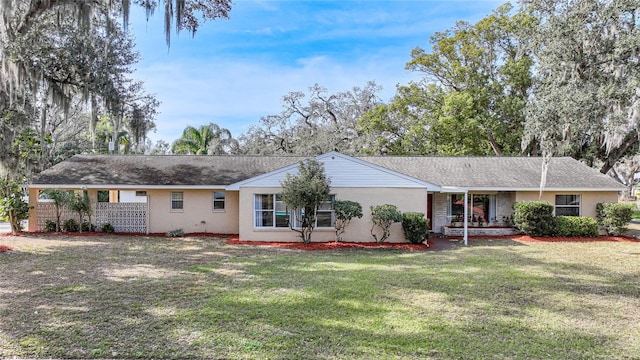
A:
(332, 245)
(85, 233)
(527, 238)
(4, 248)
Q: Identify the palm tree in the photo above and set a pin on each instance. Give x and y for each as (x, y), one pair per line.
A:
(206, 140)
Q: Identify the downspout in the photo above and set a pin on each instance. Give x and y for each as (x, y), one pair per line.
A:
(465, 237)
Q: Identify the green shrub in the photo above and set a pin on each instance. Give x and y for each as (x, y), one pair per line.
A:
(175, 233)
(50, 226)
(582, 226)
(614, 217)
(534, 218)
(383, 216)
(107, 228)
(415, 227)
(345, 211)
(70, 225)
(87, 226)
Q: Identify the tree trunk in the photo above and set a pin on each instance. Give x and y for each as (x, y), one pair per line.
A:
(616, 154)
(494, 144)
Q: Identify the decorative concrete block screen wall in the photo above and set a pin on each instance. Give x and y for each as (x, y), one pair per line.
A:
(47, 211)
(125, 217)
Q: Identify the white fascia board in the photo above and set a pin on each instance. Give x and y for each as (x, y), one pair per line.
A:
(127, 187)
(453, 189)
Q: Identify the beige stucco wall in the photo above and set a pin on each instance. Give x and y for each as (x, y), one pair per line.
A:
(358, 231)
(197, 215)
(588, 201)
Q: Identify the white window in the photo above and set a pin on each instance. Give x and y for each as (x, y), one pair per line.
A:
(218, 200)
(270, 211)
(325, 215)
(177, 200)
(567, 205)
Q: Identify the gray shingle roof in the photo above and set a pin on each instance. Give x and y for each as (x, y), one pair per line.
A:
(497, 172)
(171, 170)
(206, 170)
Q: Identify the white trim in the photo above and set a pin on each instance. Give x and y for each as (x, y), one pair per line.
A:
(236, 187)
(213, 201)
(556, 206)
(171, 200)
(455, 189)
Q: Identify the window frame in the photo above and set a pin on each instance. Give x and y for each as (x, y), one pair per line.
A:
(174, 201)
(290, 214)
(275, 218)
(330, 210)
(577, 206)
(215, 201)
(490, 213)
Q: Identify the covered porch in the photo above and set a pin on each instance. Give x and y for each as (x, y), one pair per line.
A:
(487, 213)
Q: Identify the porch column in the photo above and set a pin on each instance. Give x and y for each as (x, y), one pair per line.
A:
(466, 217)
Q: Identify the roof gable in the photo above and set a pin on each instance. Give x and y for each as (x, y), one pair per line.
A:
(343, 171)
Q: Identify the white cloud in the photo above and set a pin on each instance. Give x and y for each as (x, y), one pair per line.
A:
(235, 93)
(236, 71)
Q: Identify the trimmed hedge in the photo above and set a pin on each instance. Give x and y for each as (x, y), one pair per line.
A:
(415, 227)
(582, 226)
(107, 228)
(534, 218)
(88, 227)
(70, 225)
(50, 226)
(614, 217)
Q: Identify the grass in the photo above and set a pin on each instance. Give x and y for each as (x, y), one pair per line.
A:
(139, 297)
(635, 214)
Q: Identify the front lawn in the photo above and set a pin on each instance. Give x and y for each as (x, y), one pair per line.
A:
(148, 297)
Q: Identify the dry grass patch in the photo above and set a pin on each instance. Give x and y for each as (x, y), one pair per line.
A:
(151, 297)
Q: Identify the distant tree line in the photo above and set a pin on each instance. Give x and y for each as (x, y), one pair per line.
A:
(547, 78)
(552, 78)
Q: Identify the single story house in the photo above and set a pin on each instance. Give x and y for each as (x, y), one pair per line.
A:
(231, 194)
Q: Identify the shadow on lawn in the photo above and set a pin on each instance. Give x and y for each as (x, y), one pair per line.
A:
(160, 298)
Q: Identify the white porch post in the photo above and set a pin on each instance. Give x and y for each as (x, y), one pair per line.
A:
(466, 217)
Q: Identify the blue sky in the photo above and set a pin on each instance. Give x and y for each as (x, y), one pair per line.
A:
(235, 71)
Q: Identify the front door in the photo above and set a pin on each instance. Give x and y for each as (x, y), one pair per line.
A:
(430, 210)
